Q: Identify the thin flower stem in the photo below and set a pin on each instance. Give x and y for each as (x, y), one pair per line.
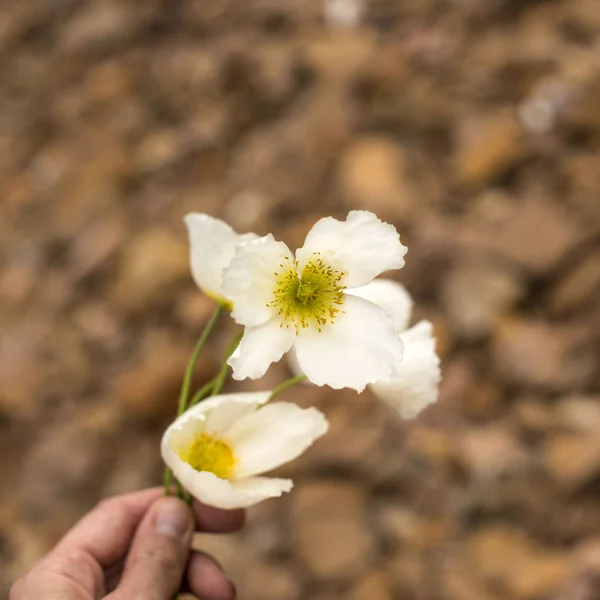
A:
(222, 375)
(286, 384)
(202, 393)
(187, 379)
(167, 476)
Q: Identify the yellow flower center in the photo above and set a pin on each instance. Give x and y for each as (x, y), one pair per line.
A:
(208, 453)
(308, 299)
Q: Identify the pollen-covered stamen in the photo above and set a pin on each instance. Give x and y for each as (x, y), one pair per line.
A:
(311, 298)
(209, 453)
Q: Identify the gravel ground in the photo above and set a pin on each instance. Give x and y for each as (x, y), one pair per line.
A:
(472, 125)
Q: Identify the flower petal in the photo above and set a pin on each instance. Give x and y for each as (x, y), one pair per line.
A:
(274, 435)
(250, 279)
(391, 296)
(415, 382)
(359, 348)
(362, 246)
(212, 246)
(220, 412)
(260, 346)
(210, 489)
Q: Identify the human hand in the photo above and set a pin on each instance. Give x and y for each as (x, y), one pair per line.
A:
(135, 546)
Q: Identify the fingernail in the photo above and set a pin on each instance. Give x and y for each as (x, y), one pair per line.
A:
(172, 517)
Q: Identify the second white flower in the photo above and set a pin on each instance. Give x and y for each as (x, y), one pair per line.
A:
(340, 340)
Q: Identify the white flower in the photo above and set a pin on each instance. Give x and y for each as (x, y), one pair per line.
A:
(414, 384)
(218, 447)
(340, 340)
(212, 246)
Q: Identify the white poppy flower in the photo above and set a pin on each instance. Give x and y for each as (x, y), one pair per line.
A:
(340, 340)
(212, 246)
(414, 384)
(219, 447)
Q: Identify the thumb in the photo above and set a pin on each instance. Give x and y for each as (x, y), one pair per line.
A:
(159, 553)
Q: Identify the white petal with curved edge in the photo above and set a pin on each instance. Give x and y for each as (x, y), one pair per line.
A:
(210, 489)
(415, 382)
(219, 413)
(360, 347)
(273, 435)
(212, 246)
(250, 279)
(391, 296)
(362, 246)
(260, 346)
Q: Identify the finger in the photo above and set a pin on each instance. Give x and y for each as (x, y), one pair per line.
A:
(105, 533)
(206, 578)
(216, 520)
(159, 552)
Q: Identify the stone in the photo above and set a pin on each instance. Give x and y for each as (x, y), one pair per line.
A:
(92, 191)
(53, 471)
(487, 146)
(158, 150)
(492, 452)
(579, 287)
(339, 56)
(372, 585)
(533, 414)
(537, 354)
(149, 389)
(328, 529)
(572, 460)
(265, 581)
(151, 266)
(475, 295)
(580, 414)
(99, 27)
(372, 176)
(506, 558)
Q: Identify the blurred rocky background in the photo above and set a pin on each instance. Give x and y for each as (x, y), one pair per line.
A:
(473, 125)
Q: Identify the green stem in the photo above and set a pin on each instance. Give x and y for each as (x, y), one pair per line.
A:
(286, 384)
(167, 476)
(189, 372)
(222, 374)
(202, 393)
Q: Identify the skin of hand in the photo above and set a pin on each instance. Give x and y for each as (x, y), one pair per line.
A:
(133, 547)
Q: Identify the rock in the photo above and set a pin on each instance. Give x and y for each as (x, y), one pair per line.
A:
(264, 581)
(372, 585)
(158, 150)
(339, 56)
(151, 265)
(491, 452)
(52, 472)
(194, 308)
(94, 245)
(487, 146)
(572, 460)
(149, 390)
(475, 295)
(328, 529)
(538, 354)
(580, 414)
(533, 414)
(92, 191)
(99, 27)
(579, 287)
(372, 176)
(533, 234)
(509, 561)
